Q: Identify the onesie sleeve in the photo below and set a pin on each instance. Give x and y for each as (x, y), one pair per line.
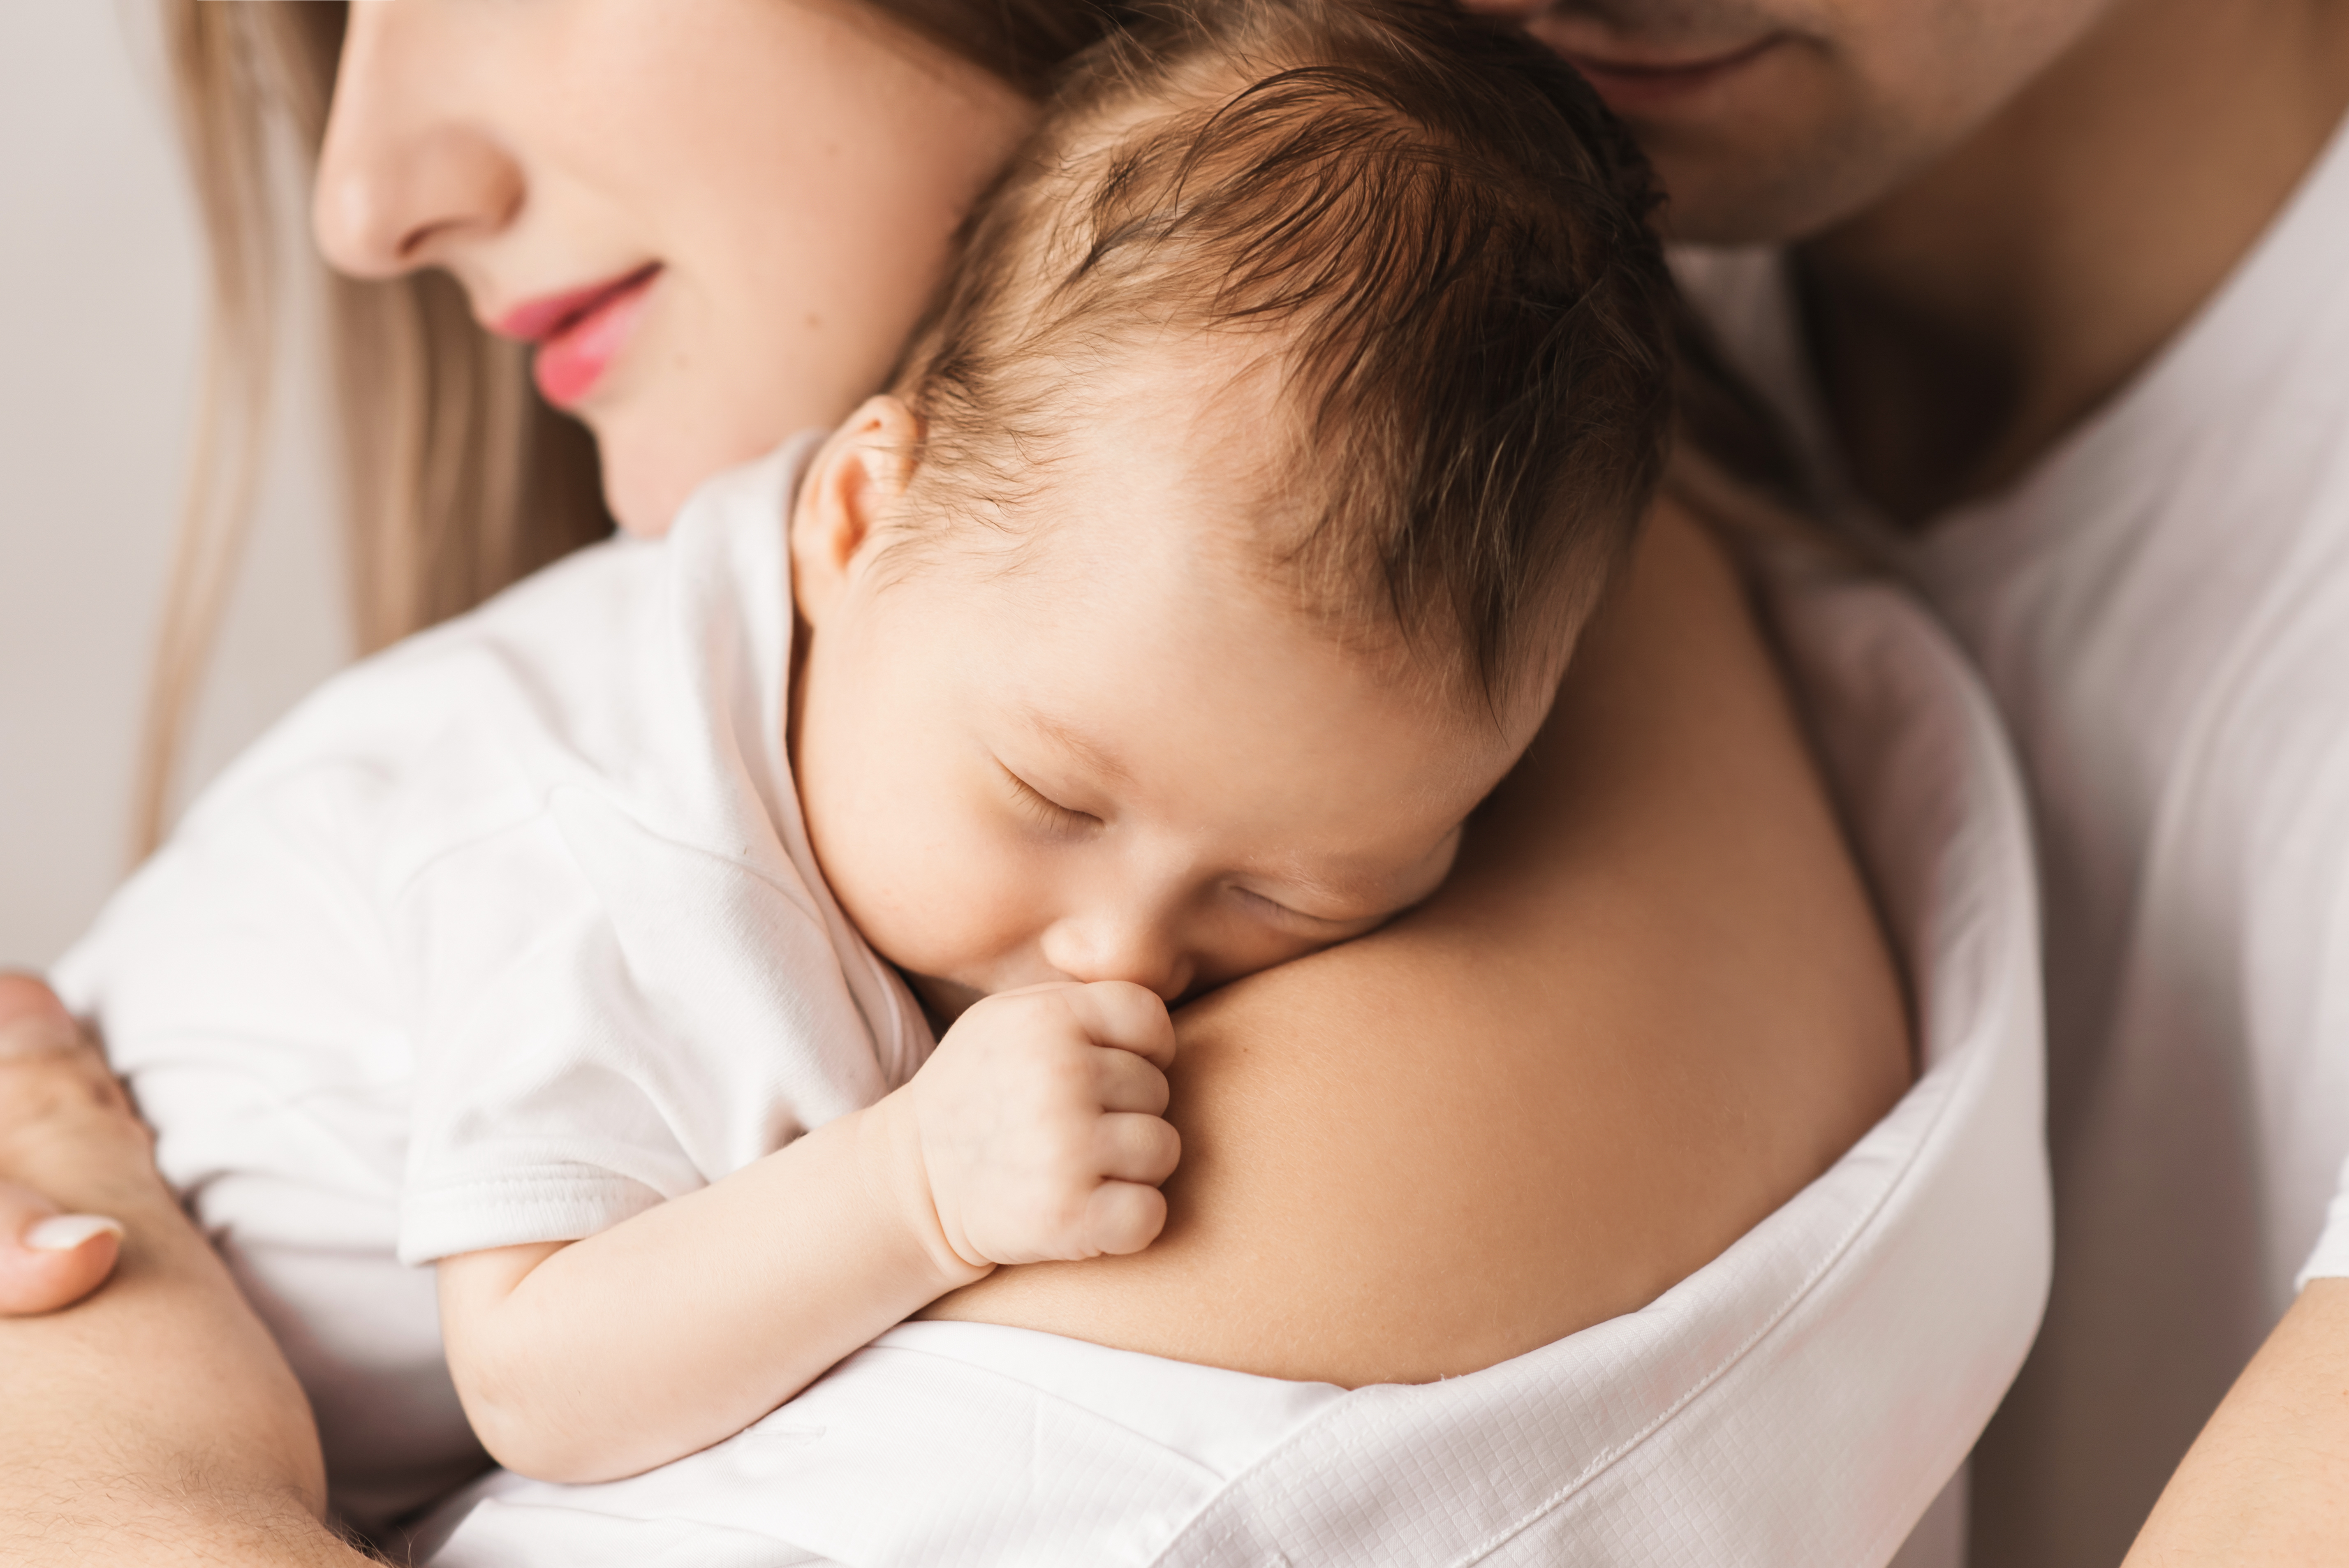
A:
(241, 985)
(612, 1018)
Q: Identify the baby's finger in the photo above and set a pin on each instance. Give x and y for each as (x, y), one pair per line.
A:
(1123, 1217)
(1129, 1148)
(49, 1260)
(1123, 1081)
(1128, 1016)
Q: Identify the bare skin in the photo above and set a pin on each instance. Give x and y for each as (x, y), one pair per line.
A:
(2268, 1480)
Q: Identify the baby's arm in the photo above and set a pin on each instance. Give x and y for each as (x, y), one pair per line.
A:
(1034, 1132)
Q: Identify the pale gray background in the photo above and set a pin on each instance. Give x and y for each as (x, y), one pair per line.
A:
(101, 282)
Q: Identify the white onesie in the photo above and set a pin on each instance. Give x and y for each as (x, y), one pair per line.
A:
(503, 937)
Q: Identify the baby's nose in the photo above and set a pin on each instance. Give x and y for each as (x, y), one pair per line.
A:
(1090, 948)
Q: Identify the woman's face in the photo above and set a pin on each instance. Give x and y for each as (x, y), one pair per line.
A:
(718, 219)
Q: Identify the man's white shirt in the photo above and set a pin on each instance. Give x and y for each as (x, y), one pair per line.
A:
(2161, 609)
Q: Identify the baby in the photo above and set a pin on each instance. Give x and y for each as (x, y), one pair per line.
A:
(1216, 550)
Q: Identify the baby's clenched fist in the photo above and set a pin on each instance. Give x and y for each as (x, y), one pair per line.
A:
(1040, 1123)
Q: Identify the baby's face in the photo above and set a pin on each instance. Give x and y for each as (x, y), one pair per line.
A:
(1123, 757)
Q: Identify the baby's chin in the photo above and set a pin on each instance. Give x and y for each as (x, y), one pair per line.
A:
(942, 1000)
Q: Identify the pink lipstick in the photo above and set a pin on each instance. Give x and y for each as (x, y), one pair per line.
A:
(579, 332)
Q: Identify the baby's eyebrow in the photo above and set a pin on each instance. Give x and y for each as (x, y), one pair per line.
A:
(1084, 747)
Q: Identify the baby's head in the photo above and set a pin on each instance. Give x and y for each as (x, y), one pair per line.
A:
(1225, 536)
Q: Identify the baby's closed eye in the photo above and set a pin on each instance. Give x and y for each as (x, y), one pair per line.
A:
(1328, 927)
(1045, 811)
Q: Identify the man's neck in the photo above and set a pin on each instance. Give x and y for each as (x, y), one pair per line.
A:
(1962, 324)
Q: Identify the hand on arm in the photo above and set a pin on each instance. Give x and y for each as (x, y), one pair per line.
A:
(153, 1421)
(1033, 1133)
(2268, 1480)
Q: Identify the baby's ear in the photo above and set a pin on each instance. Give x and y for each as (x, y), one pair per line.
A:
(854, 482)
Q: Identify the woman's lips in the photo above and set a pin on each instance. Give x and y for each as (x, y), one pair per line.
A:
(579, 333)
(1633, 86)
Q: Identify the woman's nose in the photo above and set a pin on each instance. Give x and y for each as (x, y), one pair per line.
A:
(403, 174)
(1113, 945)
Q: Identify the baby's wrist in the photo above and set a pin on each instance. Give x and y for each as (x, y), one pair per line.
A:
(889, 1149)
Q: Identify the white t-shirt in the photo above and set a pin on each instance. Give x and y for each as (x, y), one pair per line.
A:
(503, 937)
(2161, 608)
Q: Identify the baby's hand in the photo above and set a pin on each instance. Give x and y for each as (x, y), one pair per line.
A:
(1040, 1126)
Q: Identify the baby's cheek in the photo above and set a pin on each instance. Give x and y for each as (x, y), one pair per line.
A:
(963, 906)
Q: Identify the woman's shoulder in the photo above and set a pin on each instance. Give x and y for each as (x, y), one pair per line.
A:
(576, 671)
(508, 666)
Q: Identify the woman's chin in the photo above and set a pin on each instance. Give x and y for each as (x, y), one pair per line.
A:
(647, 480)
(643, 498)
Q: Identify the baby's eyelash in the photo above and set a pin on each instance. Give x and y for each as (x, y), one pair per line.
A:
(1311, 923)
(1046, 810)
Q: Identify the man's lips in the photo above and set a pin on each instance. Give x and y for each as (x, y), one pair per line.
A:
(1633, 80)
(579, 333)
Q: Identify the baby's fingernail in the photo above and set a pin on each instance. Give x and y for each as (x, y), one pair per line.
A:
(64, 1233)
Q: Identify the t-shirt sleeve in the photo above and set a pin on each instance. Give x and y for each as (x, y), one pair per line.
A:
(2299, 977)
(2330, 1257)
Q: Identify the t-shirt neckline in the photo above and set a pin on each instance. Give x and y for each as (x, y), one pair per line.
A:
(2223, 351)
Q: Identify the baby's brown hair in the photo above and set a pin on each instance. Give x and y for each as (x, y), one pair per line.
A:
(1440, 236)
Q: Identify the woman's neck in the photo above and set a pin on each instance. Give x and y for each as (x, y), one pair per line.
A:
(1962, 325)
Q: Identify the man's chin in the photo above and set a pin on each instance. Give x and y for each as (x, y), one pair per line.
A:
(1720, 192)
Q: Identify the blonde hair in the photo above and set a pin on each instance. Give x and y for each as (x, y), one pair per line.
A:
(459, 479)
